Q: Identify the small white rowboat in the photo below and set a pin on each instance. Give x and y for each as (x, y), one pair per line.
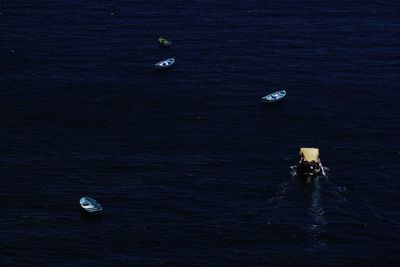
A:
(274, 97)
(165, 63)
(90, 205)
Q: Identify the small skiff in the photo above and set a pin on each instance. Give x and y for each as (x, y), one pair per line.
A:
(90, 205)
(164, 41)
(165, 63)
(274, 97)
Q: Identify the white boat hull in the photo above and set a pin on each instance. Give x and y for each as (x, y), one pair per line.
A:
(90, 205)
(165, 64)
(274, 97)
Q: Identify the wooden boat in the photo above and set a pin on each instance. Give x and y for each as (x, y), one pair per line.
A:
(90, 205)
(165, 63)
(274, 97)
(310, 163)
(164, 41)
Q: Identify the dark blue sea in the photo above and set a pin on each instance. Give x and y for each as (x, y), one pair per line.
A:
(191, 168)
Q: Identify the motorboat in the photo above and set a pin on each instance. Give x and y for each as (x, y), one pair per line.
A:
(274, 97)
(164, 41)
(90, 205)
(310, 163)
(165, 63)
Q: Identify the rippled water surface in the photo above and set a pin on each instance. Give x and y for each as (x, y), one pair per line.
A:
(190, 167)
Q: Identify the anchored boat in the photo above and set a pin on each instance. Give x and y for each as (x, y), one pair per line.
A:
(310, 163)
(164, 41)
(90, 205)
(165, 63)
(274, 97)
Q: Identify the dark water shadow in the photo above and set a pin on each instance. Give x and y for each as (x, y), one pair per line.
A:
(91, 218)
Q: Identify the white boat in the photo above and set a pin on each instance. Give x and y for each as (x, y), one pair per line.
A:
(274, 97)
(90, 205)
(165, 63)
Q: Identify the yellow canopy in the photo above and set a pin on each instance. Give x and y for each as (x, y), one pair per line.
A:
(309, 154)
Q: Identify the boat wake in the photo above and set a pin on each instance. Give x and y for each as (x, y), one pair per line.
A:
(315, 209)
(293, 170)
(315, 221)
(318, 220)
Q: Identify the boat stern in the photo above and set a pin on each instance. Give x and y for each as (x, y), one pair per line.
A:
(309, 165)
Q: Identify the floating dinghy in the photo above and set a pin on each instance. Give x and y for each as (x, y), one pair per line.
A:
(90, 205)
(274, 97)
(165, 63)
(164, 41)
